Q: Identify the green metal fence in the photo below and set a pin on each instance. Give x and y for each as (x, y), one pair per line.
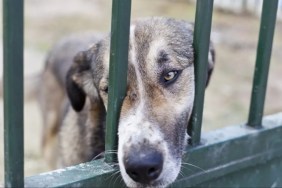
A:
(13, 92)
(118, 69)
(259, 162)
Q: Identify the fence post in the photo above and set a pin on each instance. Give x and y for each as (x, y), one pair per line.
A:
(201, 43)
(118, 72)
(267, 26)
(13, 92)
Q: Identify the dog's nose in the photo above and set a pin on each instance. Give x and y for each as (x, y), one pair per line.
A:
(145, 166)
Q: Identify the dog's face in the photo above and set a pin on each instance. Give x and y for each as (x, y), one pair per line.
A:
(159, 100)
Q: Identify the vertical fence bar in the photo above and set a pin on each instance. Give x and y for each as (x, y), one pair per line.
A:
(201, 42)
(267, 26)
(13, 92)
(118, 71)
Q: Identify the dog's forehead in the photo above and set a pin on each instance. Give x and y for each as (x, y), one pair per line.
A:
(150, 40)
(156, 38)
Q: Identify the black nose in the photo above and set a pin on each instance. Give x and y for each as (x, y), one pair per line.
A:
(144, 166)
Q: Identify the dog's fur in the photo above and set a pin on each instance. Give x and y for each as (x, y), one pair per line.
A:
(52, 93)
(155, 110)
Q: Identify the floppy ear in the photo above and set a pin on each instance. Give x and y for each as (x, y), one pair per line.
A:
(211, 63)
(74, 81)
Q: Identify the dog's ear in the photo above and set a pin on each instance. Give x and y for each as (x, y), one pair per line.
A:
(211, 63)
(74, 81)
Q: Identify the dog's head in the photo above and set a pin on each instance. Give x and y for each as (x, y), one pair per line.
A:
(159, 100)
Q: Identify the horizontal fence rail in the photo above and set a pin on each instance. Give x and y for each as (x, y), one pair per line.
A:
(267, 26)
(118, 72)
(236, 156)
(13, 92)
(201, 42)
(215, 159)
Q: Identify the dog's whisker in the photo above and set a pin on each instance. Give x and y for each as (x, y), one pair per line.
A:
(120, 179)
(117, 178)
(100, 154)
(186, 168)
(103, 153)
(181, 173)
(197, 167)
(111, 151)
(113, 165)
(114, 175)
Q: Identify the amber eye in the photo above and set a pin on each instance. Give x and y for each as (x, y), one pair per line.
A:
(170, 76)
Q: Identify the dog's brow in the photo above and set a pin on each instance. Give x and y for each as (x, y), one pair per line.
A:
(162, 57)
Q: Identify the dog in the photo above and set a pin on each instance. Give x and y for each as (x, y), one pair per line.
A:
(154, 113)
(52, 95)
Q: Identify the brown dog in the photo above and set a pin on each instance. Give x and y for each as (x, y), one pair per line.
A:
(155, 111)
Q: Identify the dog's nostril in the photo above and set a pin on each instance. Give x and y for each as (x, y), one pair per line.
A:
(144, 175)
(152, 172)
(145, 167)
(133, 175)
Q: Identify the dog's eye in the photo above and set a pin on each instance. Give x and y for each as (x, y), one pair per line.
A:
(170, 76)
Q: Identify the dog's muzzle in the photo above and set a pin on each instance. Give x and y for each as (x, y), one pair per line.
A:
(143, 165)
